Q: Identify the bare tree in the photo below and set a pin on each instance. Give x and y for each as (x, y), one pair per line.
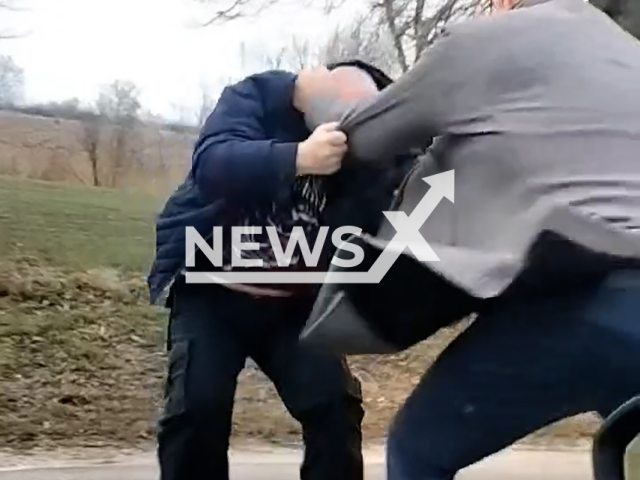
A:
(293, 55)
(299, 54)
(415, 24)
(362, 40)
(89, 134)
(119, 103)
(412, 25)
(91, 128)
(11, 82)
(226, 10)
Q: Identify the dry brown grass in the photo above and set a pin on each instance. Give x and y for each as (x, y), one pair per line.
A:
(78, 357)
(81, 364)
(52, 149)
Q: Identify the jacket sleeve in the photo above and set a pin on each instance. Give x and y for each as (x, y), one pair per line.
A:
(404, 116)
(234, 158)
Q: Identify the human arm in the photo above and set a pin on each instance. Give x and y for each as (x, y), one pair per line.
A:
(234, 158)
(237, 159)
(405, 115)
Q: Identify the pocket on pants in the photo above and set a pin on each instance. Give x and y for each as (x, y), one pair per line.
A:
(176, 383)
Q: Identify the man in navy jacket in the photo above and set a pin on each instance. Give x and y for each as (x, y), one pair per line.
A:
(257, 164)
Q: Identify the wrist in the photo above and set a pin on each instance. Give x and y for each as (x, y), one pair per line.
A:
(301, 159)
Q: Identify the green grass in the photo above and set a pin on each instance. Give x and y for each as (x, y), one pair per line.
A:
(78, 228)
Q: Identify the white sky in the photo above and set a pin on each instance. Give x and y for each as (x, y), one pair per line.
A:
(75, 46)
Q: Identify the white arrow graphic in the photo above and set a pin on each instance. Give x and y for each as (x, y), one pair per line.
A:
(407, 236)
(408, 233)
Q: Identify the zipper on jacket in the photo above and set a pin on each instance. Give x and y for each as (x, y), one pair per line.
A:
(398, 195)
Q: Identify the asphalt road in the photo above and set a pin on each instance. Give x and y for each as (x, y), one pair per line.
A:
(512, 465)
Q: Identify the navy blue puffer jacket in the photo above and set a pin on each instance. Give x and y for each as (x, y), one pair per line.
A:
(246, 153)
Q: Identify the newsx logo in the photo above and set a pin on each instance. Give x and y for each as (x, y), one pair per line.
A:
(283, 256)
(407, 236)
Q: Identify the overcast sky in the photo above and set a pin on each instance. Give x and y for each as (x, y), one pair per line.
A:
(74, 46)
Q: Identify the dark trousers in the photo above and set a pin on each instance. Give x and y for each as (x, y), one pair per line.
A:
(523, 364)
(212, 331)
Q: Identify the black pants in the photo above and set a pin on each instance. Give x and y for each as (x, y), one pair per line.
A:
(523, 364)
(212, 331)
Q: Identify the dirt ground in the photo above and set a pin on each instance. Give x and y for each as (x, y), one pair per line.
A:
(82, 361)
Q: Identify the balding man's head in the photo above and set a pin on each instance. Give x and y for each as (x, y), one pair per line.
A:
(353, 83)
(322, 90)
(503, 5)
(506, 5)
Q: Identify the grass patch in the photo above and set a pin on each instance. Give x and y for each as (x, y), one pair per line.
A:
(80, 357)
(82, 364)
(77, 227)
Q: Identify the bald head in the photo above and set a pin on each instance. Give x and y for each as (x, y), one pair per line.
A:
(353, 83)
(322, 94)
(506, 5)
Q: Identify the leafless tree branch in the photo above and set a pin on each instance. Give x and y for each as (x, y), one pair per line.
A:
(236, 9)
(413, 25)
(391, 19)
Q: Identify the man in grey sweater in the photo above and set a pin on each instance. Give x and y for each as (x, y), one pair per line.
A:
(537, 110)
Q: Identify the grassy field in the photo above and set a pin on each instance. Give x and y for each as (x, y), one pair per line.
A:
(81, 351)
(76, 227)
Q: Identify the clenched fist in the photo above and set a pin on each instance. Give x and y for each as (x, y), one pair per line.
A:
(322, 152)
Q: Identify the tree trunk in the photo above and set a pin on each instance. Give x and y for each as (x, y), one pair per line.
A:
(93, 158)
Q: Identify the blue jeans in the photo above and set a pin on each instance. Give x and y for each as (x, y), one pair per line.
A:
(523, 364)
